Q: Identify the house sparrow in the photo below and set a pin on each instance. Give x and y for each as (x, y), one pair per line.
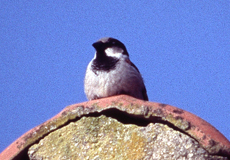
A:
(111, 72)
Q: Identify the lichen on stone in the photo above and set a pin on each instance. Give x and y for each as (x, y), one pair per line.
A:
(104, 137)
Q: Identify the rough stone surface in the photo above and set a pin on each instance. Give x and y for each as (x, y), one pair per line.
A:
(127, 110)
(102, 137)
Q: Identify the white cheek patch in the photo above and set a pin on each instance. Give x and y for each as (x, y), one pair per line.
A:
(95, 55)
(114, 52)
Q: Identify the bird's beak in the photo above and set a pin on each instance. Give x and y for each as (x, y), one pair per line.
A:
(98, 45)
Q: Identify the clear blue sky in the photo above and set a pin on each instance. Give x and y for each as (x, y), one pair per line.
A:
(182, 49)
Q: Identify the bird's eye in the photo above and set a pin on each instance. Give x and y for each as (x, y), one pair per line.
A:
(113, 42)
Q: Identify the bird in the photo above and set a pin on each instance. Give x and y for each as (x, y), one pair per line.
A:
(111, 72)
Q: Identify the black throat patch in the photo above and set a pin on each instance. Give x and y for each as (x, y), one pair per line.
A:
(104, 63)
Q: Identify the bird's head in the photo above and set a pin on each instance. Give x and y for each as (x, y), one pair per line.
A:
(110, 47)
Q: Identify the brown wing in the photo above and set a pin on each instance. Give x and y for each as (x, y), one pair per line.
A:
(144, 93)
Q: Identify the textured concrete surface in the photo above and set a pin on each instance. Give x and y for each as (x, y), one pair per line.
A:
(105, 138)
(127, 110)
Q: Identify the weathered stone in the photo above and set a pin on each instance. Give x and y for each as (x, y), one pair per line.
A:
(106, 138)
(130, 111)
